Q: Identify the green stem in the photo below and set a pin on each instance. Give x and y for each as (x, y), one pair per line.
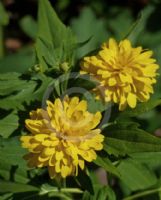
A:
(62, 190)
(64, 84)
(133, 26)
(141, 194)
(60, 195)
(72, 190)
(1, 42)
(64, 183)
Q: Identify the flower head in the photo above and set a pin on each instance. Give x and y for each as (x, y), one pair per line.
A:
(62, 137)
(126, 74)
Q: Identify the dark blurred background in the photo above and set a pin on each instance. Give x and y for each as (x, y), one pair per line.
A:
(15, 37)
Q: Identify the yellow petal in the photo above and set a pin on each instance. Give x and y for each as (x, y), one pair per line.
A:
(49, 151)
(145, 55)
(112, 81)
(115, 98)
(95, 120)
(65, 171)
(125, 78)
(103, 73)
(52, 172)
(43, 159)
(131, 100)
(81, 164)
(126, 45)
(123, 103)
(25, 138)
(82, 106)
(57, 167)
(40, 137)
(113, 44)
(59, 155)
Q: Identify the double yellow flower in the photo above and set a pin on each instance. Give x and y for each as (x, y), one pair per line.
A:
(64, 135)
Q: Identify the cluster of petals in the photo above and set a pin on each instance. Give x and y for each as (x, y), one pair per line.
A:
(62, 137)
(126, 74)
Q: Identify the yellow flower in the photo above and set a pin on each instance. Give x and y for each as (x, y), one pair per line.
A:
(126, 74)
(62, 137)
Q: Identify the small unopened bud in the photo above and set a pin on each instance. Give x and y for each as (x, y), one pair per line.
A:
(37, 68)
(64, 66)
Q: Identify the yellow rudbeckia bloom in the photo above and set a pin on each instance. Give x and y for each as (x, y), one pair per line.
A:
(62, 137)
(126, 74)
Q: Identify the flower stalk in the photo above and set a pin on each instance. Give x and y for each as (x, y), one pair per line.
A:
(1, 42)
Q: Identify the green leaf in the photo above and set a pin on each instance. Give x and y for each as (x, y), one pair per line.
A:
(5, 169)
(22, 91)
(4, 17)
(14, 166)
(8, 125)
(124, 141)
(52, 31)
(10, 83)
(18, 174)
(139, 34)
(85, 182)
(100, 192)
(6, 197)
(16, 100)
(85, 82)
(21, 175)
(12, 150)
(62, 5)
(86, 26)
(29, 26)
(152, 159)
(140, 108)
(6, 186)
(121, 23)
(95, 105)
(44, 86)
(136, 176)
(106, 164)
(106, 193)
(18, 62)
(47, 55)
